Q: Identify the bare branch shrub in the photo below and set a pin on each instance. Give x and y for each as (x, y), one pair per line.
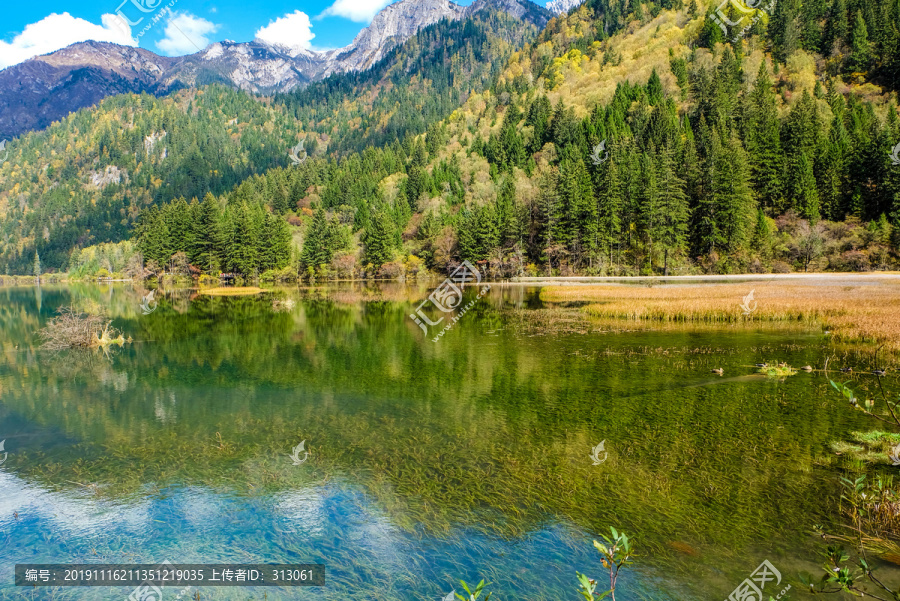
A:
(74, 329)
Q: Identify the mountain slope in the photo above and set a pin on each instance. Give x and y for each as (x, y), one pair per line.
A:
(84, 180)
(391, 27)
(46, 88)
(640, 154)
(41, 90)
(417, 83)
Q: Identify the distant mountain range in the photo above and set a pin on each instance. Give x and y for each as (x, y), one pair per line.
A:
(46, 88)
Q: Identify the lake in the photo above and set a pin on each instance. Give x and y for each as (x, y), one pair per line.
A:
(428, 462)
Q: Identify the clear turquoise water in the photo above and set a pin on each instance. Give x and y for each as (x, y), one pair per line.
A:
(429, 463)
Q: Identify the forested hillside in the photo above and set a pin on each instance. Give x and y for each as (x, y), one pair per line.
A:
(415, 85)
(84, 180)
(714, 160)
(619, 141)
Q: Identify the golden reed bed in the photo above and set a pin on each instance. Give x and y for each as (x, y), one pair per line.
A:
(866, 312)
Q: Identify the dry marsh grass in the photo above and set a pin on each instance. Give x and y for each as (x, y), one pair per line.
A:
(237, 291)
(868, 313)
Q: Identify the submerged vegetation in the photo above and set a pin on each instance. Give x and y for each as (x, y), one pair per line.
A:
(871, 513)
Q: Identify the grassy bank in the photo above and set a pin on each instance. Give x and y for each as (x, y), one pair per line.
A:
(866, 312)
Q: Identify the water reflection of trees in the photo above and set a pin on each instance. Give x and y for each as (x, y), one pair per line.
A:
(490, 431)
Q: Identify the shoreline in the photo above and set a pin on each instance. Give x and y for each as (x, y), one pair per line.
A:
(829, 277)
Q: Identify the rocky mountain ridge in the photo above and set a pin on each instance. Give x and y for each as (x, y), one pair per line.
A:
(561, 7)
(43, 89)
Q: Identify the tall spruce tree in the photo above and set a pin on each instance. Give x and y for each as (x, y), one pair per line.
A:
(763, 142)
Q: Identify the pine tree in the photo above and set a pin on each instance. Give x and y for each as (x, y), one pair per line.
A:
(649, 216)
(763, 141)
(609, 209)
(860, 49)
(321, 242)
(550, 216)
(207, 236)
(508, 215)
(579, 209)
(478, 233)
(836, 28)
(379, 240)
(671, 229)
(805, 193)
(726, 211)
(785, 29)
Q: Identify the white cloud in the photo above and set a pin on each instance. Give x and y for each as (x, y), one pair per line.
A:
(186, 34)
(58, 31)
(361, 11)
(293, 30)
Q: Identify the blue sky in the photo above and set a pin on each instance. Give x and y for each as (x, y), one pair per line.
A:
(33, 28)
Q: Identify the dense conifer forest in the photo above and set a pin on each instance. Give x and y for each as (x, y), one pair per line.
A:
(619, 141)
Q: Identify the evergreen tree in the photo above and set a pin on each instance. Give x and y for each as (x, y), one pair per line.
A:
(207, 236)
(609, 209)
(860, 50)
(478, 233)
(670, 230)
(379, 240)
(763, 142)
(321, 242)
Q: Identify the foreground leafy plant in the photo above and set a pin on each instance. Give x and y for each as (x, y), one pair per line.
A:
(473, 595)
(616, 555)
(872, 510)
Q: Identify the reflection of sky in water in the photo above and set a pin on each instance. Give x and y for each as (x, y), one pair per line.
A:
(365, 555)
